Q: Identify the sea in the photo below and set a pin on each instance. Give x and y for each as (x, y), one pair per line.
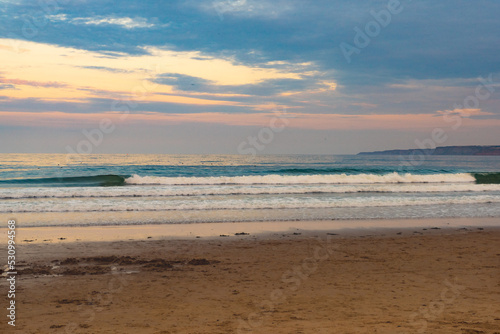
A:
(133, 189)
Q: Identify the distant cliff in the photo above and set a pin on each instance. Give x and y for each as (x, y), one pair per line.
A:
(445, 150)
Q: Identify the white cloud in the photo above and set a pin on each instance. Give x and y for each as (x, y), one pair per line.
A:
(58, 17)
(125, 22)
(248, 8)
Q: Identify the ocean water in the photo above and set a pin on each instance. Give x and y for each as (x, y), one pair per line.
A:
(77, 190)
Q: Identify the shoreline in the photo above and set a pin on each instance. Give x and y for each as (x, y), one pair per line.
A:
(59, 234)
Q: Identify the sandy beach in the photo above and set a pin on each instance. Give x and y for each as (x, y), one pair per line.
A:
(393, 280)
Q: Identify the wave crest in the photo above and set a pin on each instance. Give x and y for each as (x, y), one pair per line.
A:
(304, 179)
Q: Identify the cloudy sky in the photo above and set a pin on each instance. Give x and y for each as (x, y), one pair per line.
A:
(232, 76)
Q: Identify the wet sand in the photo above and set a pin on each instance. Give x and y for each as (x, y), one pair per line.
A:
(407, 280)
(57, 234)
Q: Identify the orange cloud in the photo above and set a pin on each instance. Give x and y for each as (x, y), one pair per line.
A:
(13, 48)
(80, 74)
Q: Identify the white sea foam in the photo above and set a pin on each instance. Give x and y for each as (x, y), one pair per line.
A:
(255, 189)
(306, 179)
(238, 203)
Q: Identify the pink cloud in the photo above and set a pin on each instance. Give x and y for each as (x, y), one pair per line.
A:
(48, 84)
(465, 112)
(409, 122)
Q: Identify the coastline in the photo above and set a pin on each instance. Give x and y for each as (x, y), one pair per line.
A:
(59, 234)
(365, 280)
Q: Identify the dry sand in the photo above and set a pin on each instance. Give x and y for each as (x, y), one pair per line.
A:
(373, 281)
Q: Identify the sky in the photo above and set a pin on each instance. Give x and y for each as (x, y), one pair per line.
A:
(247, 76)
